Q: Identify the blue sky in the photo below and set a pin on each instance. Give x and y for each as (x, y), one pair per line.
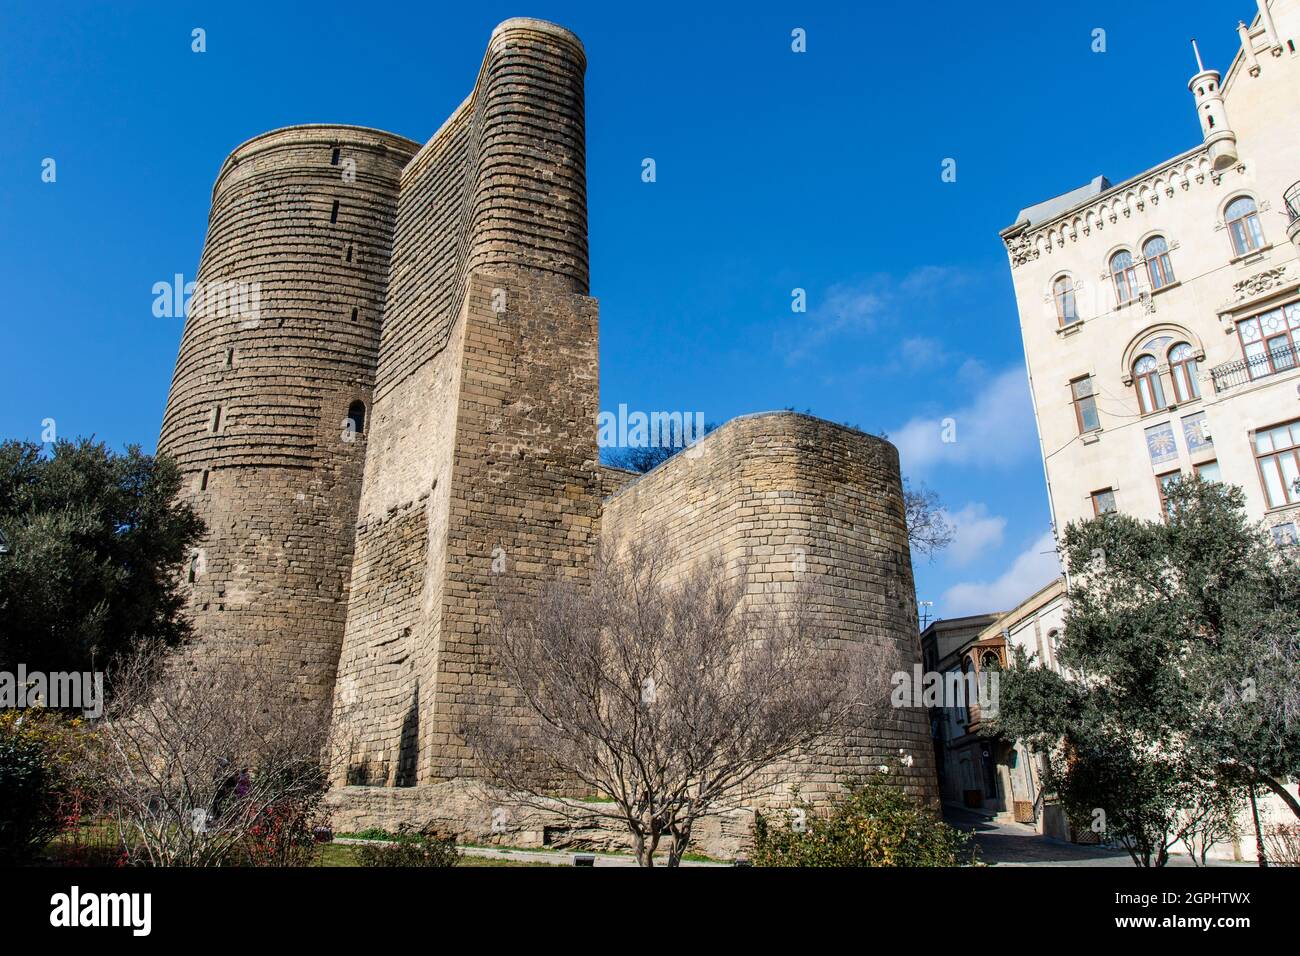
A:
(775, 171)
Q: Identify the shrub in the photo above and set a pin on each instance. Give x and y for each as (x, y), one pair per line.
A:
(411, 847)
(42, 787)
(205, 765)
(1282, 844)
(285, 833)
(873, 825)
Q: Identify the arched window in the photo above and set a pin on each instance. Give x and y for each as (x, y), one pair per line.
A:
(1182, 368)
(1243, 225)
(1067, 311)
(1125, 276)
(1146, 379)
(1156, 252)
(357, 416)
(990, 661)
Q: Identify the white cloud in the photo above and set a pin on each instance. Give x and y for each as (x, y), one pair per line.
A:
(879, 300)
(1032, 569)
(975, 532)
(996, 429)
(920, 352)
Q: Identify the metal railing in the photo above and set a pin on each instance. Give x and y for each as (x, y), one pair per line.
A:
(1292, 200)
(1231, 374)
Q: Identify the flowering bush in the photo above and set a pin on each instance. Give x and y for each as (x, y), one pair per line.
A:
(285, 833)
(44, 789)
(874, 825)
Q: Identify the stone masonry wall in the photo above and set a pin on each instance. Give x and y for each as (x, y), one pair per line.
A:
(798, 501)
(301, 223)
(482, 467)
(444, 287)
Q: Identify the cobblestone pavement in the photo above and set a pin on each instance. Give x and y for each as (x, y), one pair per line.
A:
(1014, 844)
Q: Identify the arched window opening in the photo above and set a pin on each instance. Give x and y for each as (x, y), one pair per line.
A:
(1067, 311)
(1242, 219)
(1156, 252)
(357, 416)
(1183, 370)
(1146, 379)
(1124, 273)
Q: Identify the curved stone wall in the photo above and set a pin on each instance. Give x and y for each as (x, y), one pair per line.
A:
(796, 501)
(279, 344)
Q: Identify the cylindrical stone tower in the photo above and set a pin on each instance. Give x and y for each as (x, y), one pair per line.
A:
(269, 405)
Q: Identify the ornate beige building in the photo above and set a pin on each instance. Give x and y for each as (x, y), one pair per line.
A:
(1161, 315)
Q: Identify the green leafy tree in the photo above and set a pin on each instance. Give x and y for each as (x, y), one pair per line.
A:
(96, 539)
(1183, 670)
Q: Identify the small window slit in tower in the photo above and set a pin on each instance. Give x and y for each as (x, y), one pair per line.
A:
(334, 157)
(334, 212)
(349, 252)
(230, 358)
(354, 313)
(203, 480)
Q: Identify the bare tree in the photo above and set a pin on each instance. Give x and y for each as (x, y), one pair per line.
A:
(197, 755)
(928, 529)
(661, 694)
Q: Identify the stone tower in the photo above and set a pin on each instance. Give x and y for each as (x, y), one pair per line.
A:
(482, 466)
(1207, 91)
(401, 425)
(279, 347)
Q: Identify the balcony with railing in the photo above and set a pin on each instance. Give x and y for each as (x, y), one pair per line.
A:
(1291, 199)
(1231, 374)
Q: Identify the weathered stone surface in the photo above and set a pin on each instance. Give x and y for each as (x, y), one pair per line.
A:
(363, 571)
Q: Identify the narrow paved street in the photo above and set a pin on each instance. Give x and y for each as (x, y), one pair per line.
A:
(1014, 844)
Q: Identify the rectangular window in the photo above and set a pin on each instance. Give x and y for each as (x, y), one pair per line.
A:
(230, 358)
(1268, 341)
(334, 157)
(203, 480)
(1163, 483)
(1085, 405)
(1209, 471)
(1103, 502)
(334, 212)
(1277, 454)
